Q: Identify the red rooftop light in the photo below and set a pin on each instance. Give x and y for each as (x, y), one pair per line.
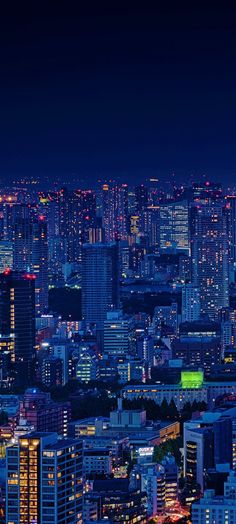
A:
(7, 271)
(29, 276)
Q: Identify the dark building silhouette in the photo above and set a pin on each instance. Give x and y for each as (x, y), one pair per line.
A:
(17, 319)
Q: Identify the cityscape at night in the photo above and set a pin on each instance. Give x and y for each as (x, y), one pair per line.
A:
(118, 265)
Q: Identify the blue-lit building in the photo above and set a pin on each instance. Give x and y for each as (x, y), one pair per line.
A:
(100, 282)
(44, 480)
(210, 257)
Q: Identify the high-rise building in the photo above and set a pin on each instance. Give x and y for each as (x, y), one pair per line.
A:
(202, 351)
(231, 207)
(86, 367)
(166, 315)
(77, 213)
(17, 318)
(145, 349)
(208, 443)
(207, 191)
(115, 211)
(39, 265)
(191, 309)
(141, 198)
(44, 480)
(174, 227)
(100, 282)
(210, 257)
(51, 372)
(31, 251)
(22, 238)
(153, 483)
(118, 335)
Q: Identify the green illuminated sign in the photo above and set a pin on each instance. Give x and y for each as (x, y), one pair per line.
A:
(191, 379)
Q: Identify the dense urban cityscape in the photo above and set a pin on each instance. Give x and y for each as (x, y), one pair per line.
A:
(118, 353)
(117, 263)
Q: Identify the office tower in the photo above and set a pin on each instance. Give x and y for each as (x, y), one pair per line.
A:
(208, 444)
(44, 480)
(39, 265)
(51, 372)
(119, 335)
(87, 366)
(121, 216)
(166, 316)
(174, 227)
(207, 192)
(198, 351)
(185, 268)
(43, 413)
(171, 480)
(210, 257)
(57, 256)
(70, 223)
(223, 431)
(153, 483)
(17, 318)
(160, 481)
(100, 282)
(153, 191)
(6, 255)
(198, 454)
(190, 303)
(77, 213)
(145, 349)
(97, 232)
(153, 225)
(144, 217)
(214, 509)
(62, 352)
(227, 335)
(31, 251)
(115, 211)
(22, 238)
(231, 209)
(141, 198)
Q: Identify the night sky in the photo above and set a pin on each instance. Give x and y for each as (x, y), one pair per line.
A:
(118, 92)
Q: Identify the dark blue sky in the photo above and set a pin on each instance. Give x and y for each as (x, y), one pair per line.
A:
(118, 91)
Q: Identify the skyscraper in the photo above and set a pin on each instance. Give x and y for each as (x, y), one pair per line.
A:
(115, 211)
(190, 303)
(100, 282)
(210, 257)
(17, 318)
(39, 265)
(231, 207)
(31, 251)
(174, 226)
(22, 238)
(44, 480)
(119, 335)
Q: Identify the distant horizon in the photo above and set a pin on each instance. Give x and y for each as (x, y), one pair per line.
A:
(94, 180)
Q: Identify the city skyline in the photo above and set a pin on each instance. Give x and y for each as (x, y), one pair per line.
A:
(118, 264)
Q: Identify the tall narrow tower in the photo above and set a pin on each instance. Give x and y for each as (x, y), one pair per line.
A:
(210, 257)
(100, 281)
